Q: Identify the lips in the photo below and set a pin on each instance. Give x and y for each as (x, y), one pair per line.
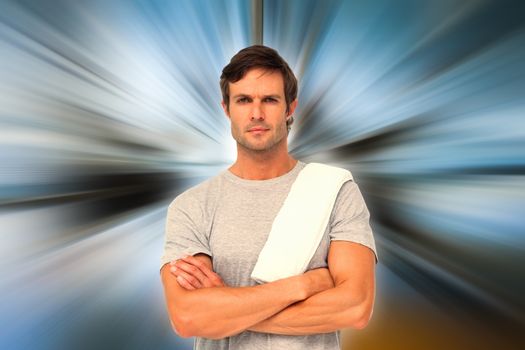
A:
(257, 129)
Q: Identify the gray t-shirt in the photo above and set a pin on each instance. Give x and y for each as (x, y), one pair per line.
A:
(229, 219)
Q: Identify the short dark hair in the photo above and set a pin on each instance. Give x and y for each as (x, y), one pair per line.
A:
(258, 56)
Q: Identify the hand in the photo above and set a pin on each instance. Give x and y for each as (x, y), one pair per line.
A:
(318, 280)
(193, 273)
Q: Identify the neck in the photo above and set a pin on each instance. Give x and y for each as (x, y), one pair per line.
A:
(252, 165)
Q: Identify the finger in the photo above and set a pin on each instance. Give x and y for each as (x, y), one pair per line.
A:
(216, 280)
(181, 266)
(209, 273)
(199, 269)
(191, 270)
(175, 271)
(210, 279)
(213, 281)
(188, 277)
(184, 284)
(185, 278)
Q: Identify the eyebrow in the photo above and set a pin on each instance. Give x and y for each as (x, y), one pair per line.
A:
(264, 96)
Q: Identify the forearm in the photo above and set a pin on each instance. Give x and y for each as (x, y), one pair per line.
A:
(224, 311)
(324, 312)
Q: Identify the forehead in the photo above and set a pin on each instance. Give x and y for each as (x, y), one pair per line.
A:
(259, 81)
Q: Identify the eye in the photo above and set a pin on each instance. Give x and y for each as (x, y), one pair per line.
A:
(243, 100)
(270, 100)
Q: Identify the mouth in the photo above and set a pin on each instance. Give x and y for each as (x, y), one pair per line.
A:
(258, 129)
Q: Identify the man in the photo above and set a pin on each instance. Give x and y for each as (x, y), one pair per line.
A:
(216, 230)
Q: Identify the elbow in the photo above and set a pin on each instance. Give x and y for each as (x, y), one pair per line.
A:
(180, 330)
(361, 312)
(358, 317)
(364, 315)
(187, 325)
(182, 321)
(181, 325)
(361, 322)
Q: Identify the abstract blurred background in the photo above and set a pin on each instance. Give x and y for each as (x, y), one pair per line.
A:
(109, 109)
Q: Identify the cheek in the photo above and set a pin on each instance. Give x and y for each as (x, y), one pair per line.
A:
(235, 125)
(282, 112)
(238, 113)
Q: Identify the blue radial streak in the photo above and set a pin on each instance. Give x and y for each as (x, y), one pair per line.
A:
(109, 109)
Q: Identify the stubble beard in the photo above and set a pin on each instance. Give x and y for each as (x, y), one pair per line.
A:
(261, 147)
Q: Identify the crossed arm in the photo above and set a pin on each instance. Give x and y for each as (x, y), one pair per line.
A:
(318, 301)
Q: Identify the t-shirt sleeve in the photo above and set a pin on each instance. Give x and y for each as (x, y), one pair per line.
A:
(350, 219)
(184, 233)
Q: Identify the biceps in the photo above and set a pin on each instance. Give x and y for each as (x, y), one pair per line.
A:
(172, 289)
(353, 264)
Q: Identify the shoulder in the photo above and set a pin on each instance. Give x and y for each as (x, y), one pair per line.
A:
(349, 195)
(327, 172)
(349, 189)
(199, 195)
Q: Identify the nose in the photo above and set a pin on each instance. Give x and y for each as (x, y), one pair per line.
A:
(257, 112)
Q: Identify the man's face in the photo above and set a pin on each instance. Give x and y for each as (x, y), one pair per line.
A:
(258, 110)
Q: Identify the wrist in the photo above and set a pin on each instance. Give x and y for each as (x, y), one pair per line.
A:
(304, 288)
(317, 280)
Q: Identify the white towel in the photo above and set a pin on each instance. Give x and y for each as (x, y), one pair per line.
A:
(300, 224)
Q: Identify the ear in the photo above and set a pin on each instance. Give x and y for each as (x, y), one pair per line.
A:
(225, 109)
(292, 108)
